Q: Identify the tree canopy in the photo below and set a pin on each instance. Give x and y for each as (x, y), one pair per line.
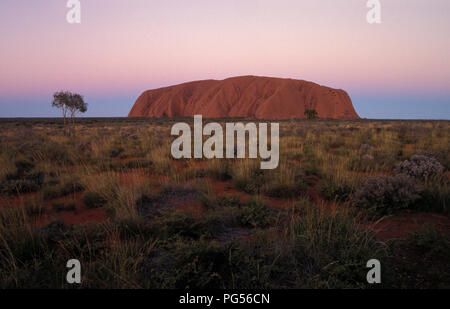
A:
(70, 104)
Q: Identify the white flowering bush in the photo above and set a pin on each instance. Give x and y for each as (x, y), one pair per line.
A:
(420, 166)
(387, 194)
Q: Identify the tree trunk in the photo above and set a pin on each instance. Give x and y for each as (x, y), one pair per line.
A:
(65, 119)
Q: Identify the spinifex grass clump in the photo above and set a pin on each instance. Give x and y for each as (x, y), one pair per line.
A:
(338, 186)
(34, 207)
(26, 258)
(330, 247)
(435, 197)
(23, 178)
(284, 182)
(68, 185)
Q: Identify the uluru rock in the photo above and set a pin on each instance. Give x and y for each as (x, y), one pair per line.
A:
(245, 96)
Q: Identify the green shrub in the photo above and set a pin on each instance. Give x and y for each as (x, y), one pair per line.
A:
(255, 213)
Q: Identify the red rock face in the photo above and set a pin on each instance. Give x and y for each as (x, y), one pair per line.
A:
(245, 96)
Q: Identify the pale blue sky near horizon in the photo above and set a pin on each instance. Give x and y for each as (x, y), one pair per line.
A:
(386, 106)
(399, 69)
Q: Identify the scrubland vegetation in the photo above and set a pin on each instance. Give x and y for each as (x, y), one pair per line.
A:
(112, 196)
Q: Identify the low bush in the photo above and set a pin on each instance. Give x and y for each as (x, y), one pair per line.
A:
(387, 194)
(255, 213)
(420, 166)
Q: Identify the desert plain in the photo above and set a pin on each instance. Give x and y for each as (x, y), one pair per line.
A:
(111, 195)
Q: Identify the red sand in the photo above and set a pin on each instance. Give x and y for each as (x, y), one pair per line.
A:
(245, 96)
(80, 215)
(399, 226)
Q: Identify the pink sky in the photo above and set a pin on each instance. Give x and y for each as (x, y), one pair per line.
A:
(126, 47)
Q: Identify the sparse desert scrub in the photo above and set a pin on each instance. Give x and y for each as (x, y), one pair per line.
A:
(106, 184)
(288, 181)
(62, 186)
(248, 177)
(328, 245)
(435, 196)
(211, 201)
(6, 166)
(25, 257)
(123, 206)
(338, 185)
(432, 248)
(34, 207)
(219, 169)
(166, 223)
(162, 161)
(256, 213)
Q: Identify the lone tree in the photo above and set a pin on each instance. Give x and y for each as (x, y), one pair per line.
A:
(70, 104)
